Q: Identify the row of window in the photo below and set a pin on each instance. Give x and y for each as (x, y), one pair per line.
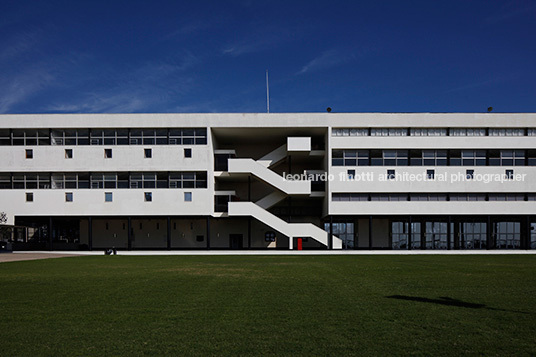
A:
(109, 196)
(193, 136)
(94, 180)
(430, 175)
(434, 158)
(108, 153)
(355, 197)
(433, 132)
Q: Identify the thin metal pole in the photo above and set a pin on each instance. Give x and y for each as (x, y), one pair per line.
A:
(267, 94)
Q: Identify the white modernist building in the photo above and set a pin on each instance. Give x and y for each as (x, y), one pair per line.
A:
(260, 181)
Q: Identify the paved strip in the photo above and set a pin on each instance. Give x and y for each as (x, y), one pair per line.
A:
(287, 252)
(16, 256)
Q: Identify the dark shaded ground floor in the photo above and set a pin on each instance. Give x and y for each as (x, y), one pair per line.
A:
(203, 232)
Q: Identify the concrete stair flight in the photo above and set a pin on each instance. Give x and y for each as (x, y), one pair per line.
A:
(250, 209)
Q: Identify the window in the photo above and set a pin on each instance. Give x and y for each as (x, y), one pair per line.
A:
(473, 157)
(108, 197)
(434, 157)
(148, 196)
(108, 153)
(338, 197)
(467, 132)
(148, 153)
(391, 174)
(29, 153)
(509, 174)
(389, 132)
(506, 132)
(68, 197)
(350, 132)
(29, 196)
(199, 238)
(469, 174)
(187, 197)
(68, 153)
(187, 152)
(430, 174)
(351, 174)
(428, 132)
(395, 157)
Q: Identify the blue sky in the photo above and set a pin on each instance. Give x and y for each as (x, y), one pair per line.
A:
(211, 56)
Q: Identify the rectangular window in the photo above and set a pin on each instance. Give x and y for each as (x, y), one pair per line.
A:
(187, 152)
(29, 196)
(107, 153)
(68, 197)
(509, 174)
(187, 197)
(108, 197)
(148, 153)
(148, 196)
(68, 153)
(391, 174)
(351, 174)
(29, 153)
(430, 174)
(469, 174)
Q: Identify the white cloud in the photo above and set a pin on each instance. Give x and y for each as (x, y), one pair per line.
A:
(325, 60)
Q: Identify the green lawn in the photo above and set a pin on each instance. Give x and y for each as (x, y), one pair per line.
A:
(269, 305)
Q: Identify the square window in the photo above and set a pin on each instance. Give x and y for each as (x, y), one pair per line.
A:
(108, 153)
(108, 197)
(68, 197)
(390, 174)
(29, 196)
(351, 174)
(469, 174)
(187, 197)
(509, 174)
(148, 196)
(430, 174)
(68, 153)
(29, 153)
(187, 152)
(148, 153)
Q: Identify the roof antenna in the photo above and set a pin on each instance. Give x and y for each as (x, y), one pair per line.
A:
(267, 94)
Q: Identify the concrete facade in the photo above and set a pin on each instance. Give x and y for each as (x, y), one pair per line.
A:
(264, 181)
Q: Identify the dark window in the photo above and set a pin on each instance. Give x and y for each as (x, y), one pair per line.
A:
(200, 238)
(469, 174)
(68, 153)
(148, 196)
(108, 197)
(29, 196)
(148, 153)
(68, 197)
(430, 174)
(390, 174)
(108, 153)
(29, 153)
(351, 174)
(509, 174)
(187, 152)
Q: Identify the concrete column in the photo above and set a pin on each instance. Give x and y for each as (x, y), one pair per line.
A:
(50, 228)
(208, 232)
(168, 231)
(90, 233)
(370, 232)
(129, 235)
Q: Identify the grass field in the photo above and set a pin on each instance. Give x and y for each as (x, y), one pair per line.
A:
(269, 305)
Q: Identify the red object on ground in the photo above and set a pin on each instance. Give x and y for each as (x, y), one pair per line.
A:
(299, 244)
